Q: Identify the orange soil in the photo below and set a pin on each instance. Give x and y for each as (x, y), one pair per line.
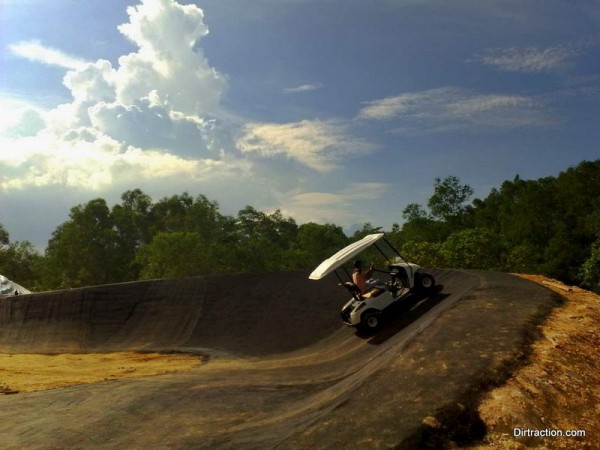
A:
(559, 387)
(31, 372)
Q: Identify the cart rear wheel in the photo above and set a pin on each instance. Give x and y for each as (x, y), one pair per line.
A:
(426, 282)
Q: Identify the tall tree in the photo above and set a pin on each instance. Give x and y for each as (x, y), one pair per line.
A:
(448, 212)
(365, 230)
(84, 250)
(175, 254)
(19, 261)
(314, 243)
(4, 236)
(263, 239)
(132, 219)
(170, 213)
(474, 248)
(590, 269)
(449, 198)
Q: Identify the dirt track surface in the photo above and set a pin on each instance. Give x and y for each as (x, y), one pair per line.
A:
(280, 371)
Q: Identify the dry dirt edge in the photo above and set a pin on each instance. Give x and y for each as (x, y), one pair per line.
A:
(559, 387)
(36, 372)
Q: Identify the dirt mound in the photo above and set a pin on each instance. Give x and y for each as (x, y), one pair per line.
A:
(557, 391)
(251, 314)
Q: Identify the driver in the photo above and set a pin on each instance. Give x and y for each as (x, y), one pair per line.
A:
(360, 278)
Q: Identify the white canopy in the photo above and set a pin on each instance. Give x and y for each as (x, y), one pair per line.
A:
(8, 287)
(344, 255)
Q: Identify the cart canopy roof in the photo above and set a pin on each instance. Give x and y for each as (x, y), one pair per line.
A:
(8, 287)
(344, 255)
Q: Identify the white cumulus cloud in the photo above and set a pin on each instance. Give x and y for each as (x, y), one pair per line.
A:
(92, 82)
(150, 117)
(169, 60)
(89, 160)
(19, 118)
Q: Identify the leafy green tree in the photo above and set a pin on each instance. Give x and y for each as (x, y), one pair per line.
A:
(20, 262)
(448, 212)
(424, 229)
(196, 221)
(263, 240)
(171, 213)
(174, 254)
(313, 244)
(549, 224)
(84, 250)
(4, 236)
(366, 229)
(449, 198)
(132, 219)
(426, 254)
(413, 211)
(590, 269)
(522, 258)
(475, 248)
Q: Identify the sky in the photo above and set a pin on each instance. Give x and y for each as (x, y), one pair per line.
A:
(333, 111)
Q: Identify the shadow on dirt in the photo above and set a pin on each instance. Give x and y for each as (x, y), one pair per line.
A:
(400, 315)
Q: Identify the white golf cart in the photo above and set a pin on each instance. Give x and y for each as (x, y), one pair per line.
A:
(365, 310)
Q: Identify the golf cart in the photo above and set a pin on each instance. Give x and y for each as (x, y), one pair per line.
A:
(364, 310)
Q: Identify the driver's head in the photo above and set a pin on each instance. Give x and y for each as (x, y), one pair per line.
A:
(358, 265)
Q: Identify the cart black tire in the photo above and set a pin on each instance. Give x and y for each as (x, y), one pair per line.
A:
(426, 282)
(371, 322)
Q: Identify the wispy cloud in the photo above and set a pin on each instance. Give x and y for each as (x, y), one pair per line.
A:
(344, 206)
(303, 88)
(529, 59)
(35, 51)
(319, 145)
(448, 108)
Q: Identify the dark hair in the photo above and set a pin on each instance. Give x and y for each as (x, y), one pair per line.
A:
(357, 264)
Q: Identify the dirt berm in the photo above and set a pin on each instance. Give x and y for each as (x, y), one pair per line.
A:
(280, 369)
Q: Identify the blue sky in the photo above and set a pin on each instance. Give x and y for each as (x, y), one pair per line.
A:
(338, 111)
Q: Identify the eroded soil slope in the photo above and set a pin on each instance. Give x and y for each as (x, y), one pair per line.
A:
(559, 388)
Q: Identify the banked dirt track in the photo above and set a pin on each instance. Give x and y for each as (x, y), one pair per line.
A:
(280, 369)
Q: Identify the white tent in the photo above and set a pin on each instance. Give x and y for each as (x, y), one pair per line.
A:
(8, 287)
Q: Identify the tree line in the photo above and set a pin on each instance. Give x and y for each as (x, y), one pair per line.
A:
(549, 226)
